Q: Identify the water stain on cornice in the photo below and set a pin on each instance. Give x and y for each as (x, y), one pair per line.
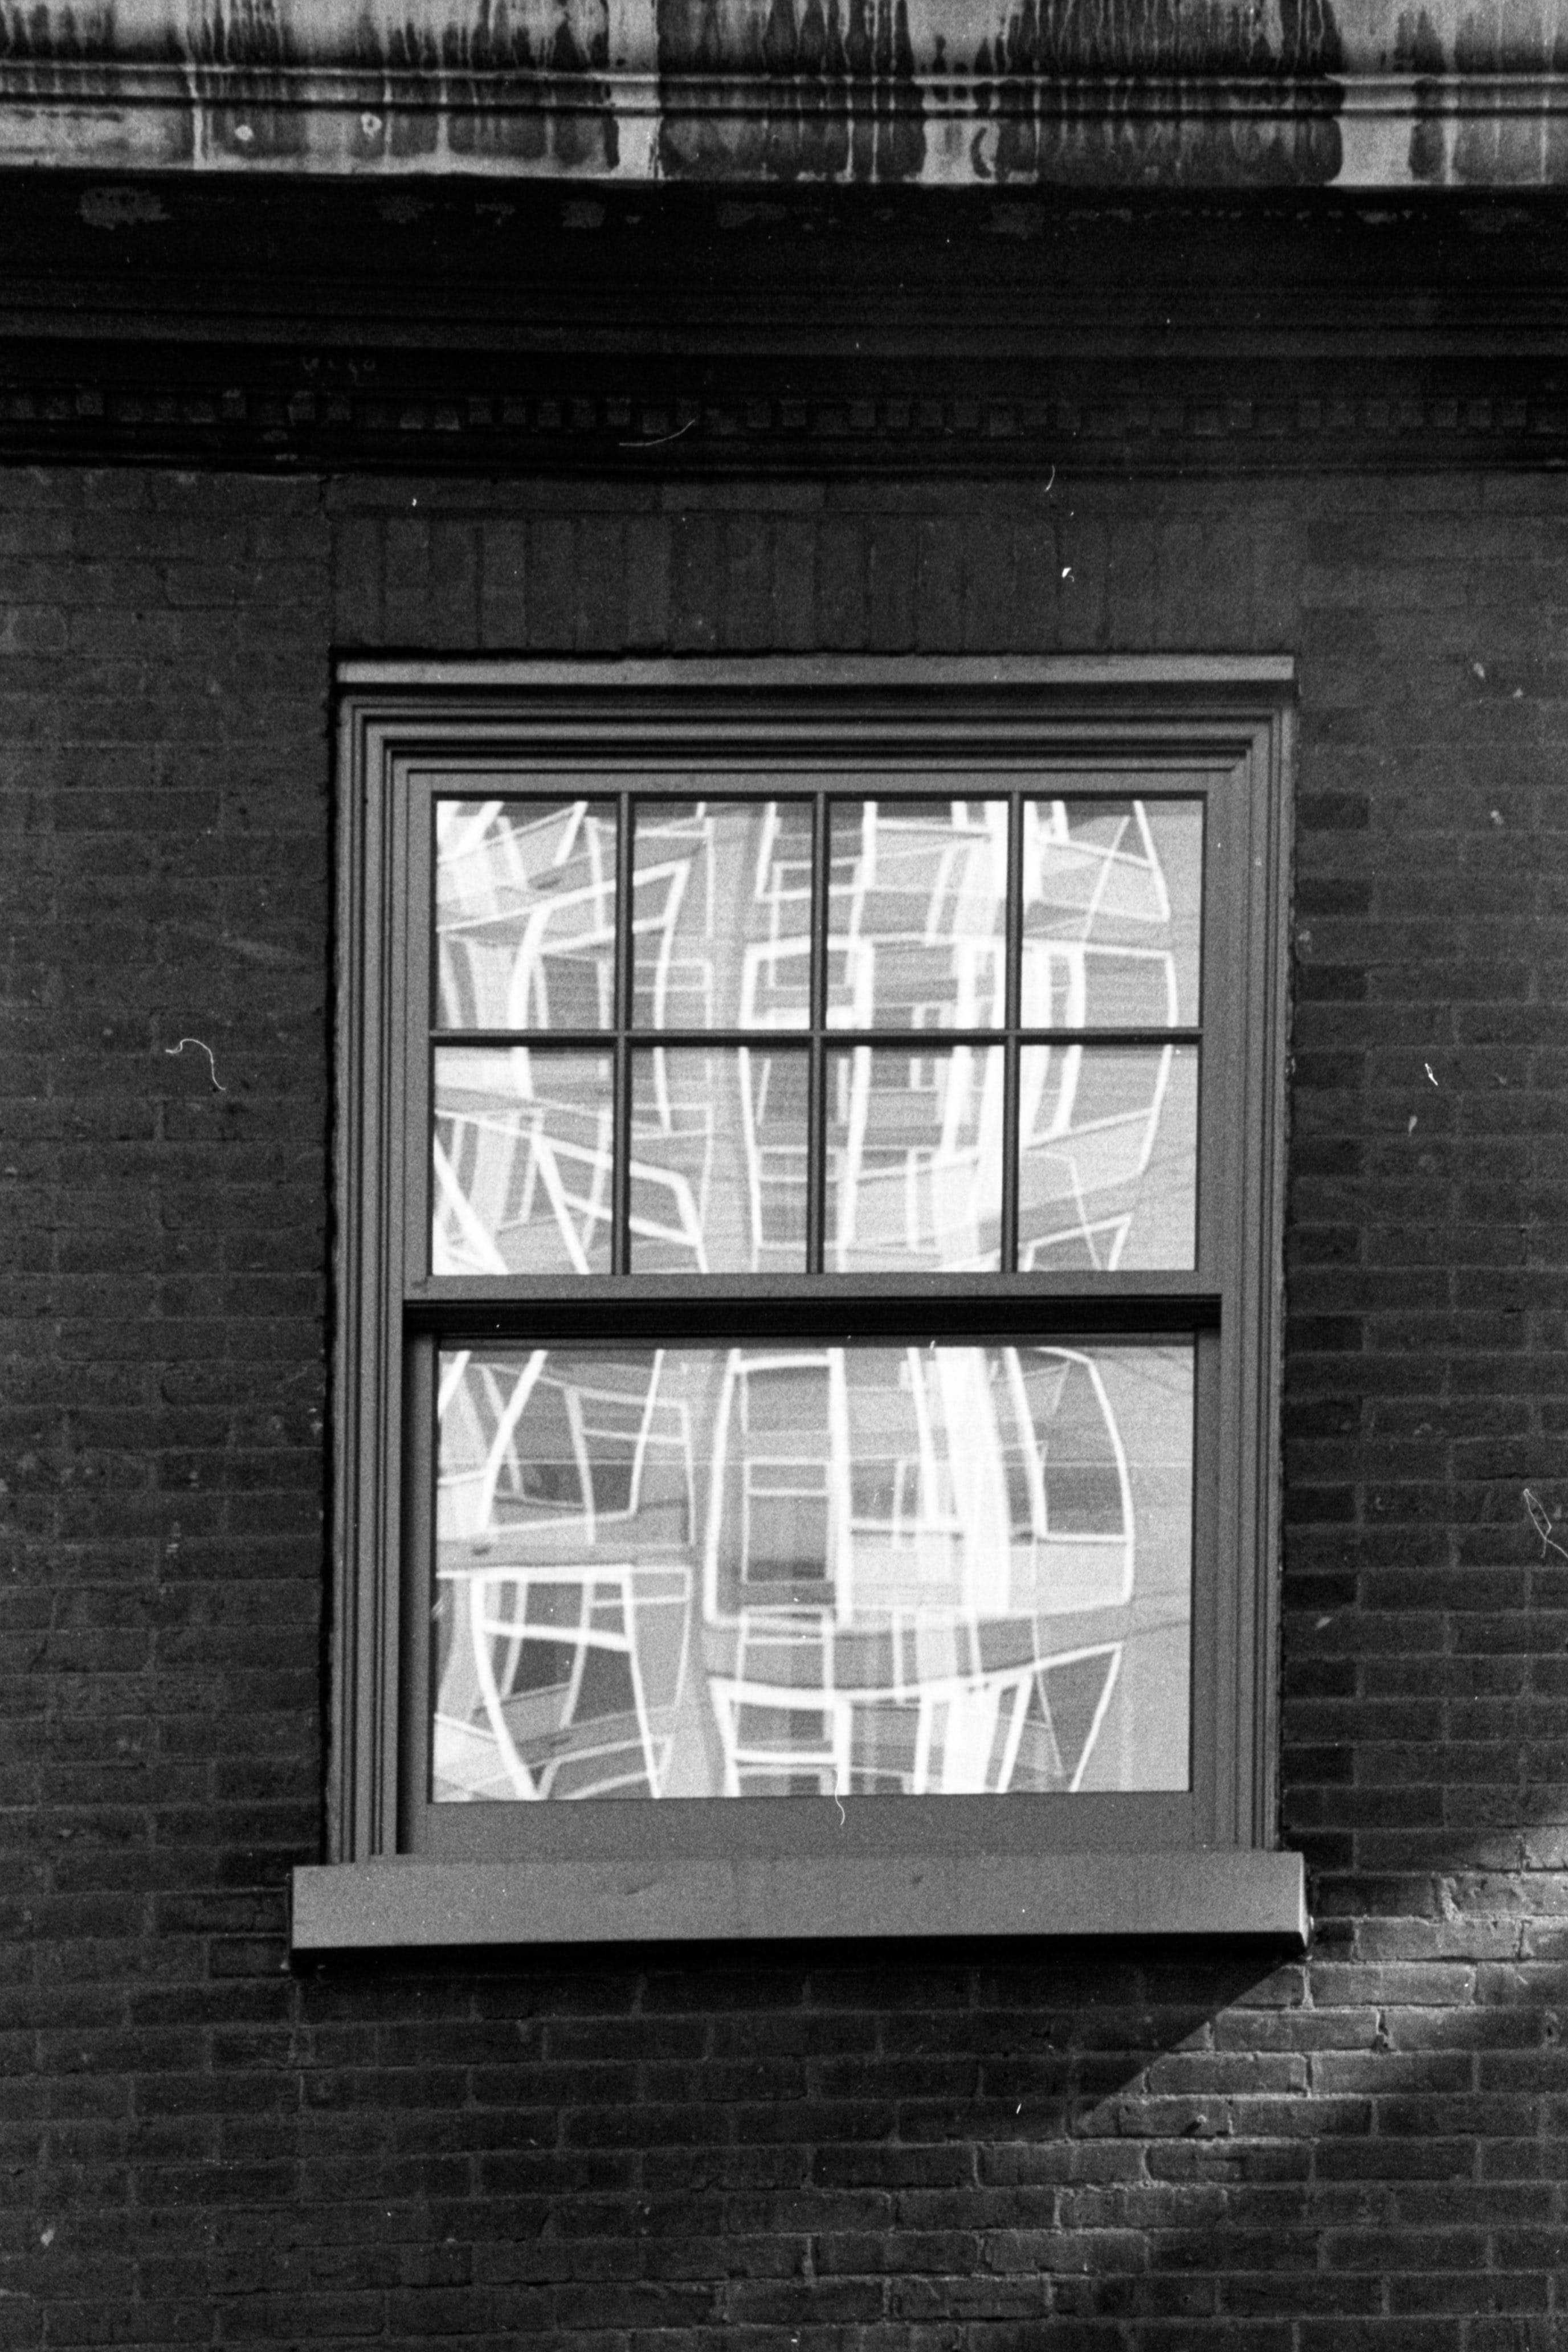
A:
(1119, 93)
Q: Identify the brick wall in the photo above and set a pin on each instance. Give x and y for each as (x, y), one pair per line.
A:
(921, 2149)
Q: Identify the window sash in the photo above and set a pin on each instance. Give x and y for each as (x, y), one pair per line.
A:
(819, 1826)
(415, 783)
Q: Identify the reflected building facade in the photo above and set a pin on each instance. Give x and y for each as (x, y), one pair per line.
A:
(812, 1571)
(803, 1569)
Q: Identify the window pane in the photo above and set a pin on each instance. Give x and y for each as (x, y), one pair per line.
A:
(1108, 1150)
(525, 914)
(719, 1160)
(917, 915)
(812, 1571)
(521, 1161)
(722, 914)
(914, 1166)
(1113, 897)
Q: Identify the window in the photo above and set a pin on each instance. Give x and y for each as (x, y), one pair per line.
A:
(810, 1149)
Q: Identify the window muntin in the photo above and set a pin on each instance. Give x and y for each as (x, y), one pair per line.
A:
(590, 734)
(1067, 927)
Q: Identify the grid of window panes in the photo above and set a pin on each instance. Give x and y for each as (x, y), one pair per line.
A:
(831, 1032)
(846, 1031)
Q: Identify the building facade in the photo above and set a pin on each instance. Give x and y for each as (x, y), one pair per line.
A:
(1133, 386)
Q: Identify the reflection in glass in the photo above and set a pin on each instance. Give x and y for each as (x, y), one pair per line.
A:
(525, 914)
(916, 914)
(565, 1503)
(914, 1158)
(812, 1571)
(520, 1155)
(718, 1160)
(1107, 1139)
(1112, 893)
(722, 914)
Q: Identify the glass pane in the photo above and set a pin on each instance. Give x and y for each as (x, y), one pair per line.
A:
(521, 1161)
(914, 1158)
(718, 1160)
(812, 1571)
(1108, 1146)
(722, 914)
(525, 914)
(1112, 904)
(917, 915)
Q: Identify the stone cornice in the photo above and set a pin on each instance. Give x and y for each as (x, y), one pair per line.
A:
(911, 92)
(859, 41)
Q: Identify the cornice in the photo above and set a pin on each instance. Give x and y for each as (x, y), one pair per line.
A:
(1389, 132)
(940, 93)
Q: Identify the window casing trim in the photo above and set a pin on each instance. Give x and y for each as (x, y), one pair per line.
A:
(1199, 711)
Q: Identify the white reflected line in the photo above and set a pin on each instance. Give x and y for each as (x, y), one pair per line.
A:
(544, 1157)
(501, 1448)
(451, 1380)
(1128, 1538)
(470, 837)
(689, 1232)
(479, 1239)
(1076, 1783)
(1156, 871)
(569, 832)
(1107, 861)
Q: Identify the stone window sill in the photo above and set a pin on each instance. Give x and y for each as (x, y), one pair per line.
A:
(408, 1902)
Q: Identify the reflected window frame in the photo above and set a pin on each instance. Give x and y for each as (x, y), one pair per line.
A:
(1221, 729)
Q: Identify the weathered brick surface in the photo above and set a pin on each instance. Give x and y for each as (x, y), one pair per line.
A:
(920, 2150)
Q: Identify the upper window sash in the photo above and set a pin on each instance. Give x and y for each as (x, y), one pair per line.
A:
(1189, 1053)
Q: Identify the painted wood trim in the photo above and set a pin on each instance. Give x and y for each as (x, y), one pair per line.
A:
(1200, 710)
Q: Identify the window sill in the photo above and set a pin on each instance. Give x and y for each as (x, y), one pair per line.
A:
(351, 1907)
